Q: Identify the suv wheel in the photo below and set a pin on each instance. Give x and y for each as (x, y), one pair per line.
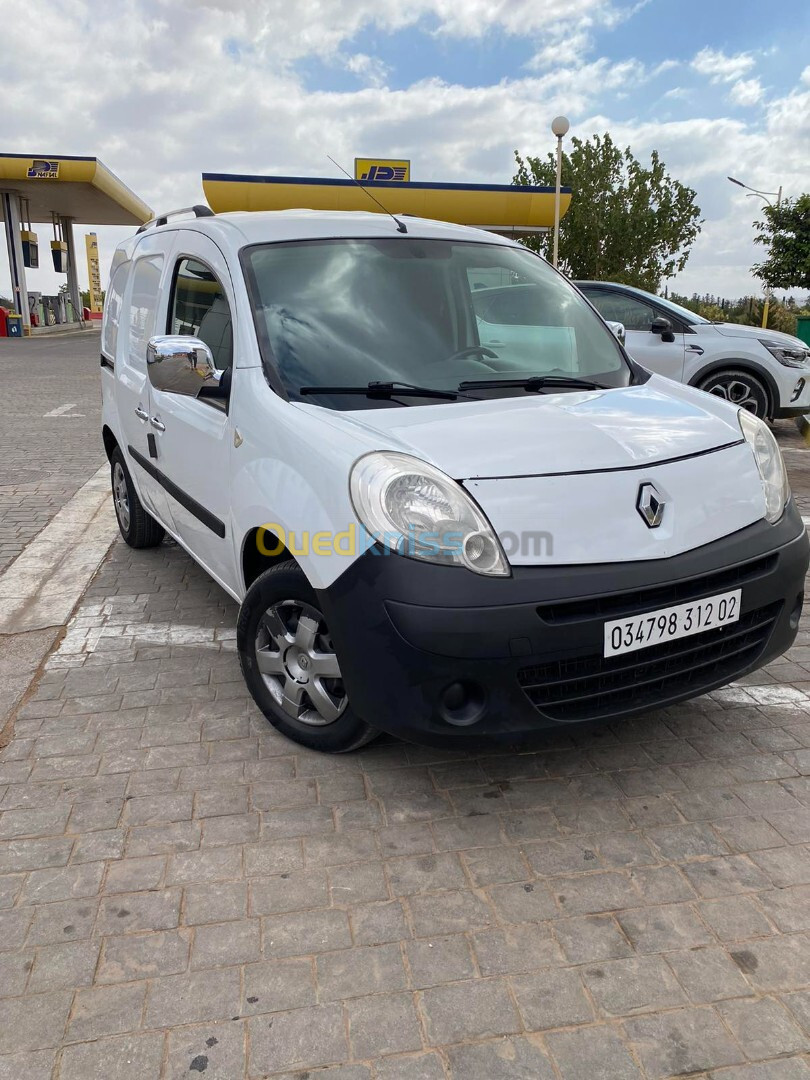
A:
(290, 666)
(136, 526)
(740, 388)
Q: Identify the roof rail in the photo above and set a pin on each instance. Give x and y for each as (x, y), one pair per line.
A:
(198, 211)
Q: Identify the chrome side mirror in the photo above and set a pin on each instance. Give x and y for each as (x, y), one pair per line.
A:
(617, 329)
(181, 365)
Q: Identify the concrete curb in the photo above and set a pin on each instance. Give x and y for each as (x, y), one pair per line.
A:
(45, 582)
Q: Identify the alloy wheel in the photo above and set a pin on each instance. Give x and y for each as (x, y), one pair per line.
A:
(121, 497)
(297, 661)
(738, 392)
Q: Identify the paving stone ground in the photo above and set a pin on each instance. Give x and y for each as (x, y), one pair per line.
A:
(44, 459)
(184, 893)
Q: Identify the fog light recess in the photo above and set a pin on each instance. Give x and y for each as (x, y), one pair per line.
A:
(462, 703)
(796, 613)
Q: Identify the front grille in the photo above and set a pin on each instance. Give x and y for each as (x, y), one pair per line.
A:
(677, 592)
(594, 686)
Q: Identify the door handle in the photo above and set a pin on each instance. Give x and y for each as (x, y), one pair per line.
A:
(141, 413)
(157, 424)
(695, 349)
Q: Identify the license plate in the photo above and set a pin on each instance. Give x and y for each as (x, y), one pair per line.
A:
(667, 624)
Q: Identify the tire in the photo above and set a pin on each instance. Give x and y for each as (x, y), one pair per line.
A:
(289, 664)
(740, 388)
(138, 529)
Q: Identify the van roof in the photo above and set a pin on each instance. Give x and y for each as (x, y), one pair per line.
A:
(268, 226)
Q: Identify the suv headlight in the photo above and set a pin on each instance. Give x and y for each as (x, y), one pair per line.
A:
(769, 461)
(418, 511)
(790, 356)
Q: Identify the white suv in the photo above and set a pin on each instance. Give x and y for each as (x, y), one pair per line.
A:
(436, 525)
(763, 371)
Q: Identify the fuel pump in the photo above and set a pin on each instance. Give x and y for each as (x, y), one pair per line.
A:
(59, 248)
(28, 238)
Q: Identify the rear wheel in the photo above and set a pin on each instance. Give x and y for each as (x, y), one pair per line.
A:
(740, 388)
(136, 526)
(290, 666)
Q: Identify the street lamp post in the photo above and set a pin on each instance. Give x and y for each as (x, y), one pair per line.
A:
(754, 192)
(559, 125)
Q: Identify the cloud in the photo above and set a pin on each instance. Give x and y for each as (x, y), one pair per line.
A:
(369, 69)
(746, 92)
(162, 90)
(722, 68)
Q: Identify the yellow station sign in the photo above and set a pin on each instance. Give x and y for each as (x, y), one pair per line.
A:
(379, 169)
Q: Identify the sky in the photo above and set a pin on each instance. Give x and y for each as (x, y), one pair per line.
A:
(163, 90)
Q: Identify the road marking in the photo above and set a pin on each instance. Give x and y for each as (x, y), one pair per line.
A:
(87, 633)
(46, 580)
(64, 410)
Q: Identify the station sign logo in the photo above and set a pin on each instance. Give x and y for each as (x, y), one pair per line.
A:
(41, 169)
(392, 170)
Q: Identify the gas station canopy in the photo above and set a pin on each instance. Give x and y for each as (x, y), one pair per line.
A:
(80, 188)
(65, 191)
(502, 208)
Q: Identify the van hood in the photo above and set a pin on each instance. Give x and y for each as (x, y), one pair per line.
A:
(737, 330)
(542, 434)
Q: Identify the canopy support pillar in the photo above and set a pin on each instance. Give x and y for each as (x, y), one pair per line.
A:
(11, 218)
(72, 272)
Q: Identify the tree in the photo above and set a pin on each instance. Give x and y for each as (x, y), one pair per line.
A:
(626, 222)
(746, 310)
(785, 231)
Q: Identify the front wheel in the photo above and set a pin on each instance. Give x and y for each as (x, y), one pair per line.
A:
(290, 665)
(739, 388)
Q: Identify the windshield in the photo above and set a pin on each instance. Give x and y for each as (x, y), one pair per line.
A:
(683, 313)
(432, 313)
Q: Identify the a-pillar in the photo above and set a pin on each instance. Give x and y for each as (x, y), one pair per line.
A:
(11, 215)
(72, 274)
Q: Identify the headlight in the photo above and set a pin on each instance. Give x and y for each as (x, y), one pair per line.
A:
(790, 356)
(769, 462)
(415, 509)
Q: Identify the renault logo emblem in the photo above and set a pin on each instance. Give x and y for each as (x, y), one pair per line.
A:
(650, 505)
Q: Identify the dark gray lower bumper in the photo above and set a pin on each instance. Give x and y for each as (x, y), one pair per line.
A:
(443, 656)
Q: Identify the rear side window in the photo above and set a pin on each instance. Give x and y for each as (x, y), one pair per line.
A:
(200, 309)
(143, 305)
(112, 310)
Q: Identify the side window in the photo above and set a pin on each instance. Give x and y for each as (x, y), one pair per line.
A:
(618, 307)
(143, 304)
(112, 310)
(200, 309)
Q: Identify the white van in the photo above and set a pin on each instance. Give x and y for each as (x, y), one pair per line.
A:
(448, 527)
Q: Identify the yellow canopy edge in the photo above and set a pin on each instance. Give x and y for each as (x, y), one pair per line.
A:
(497, 207)
(82, 188)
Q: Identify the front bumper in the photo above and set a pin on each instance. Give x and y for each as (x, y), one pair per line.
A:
(441, 656)
(794, 394)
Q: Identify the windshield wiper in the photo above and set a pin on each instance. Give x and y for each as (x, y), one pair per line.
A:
(386, 389)
(534, 383)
